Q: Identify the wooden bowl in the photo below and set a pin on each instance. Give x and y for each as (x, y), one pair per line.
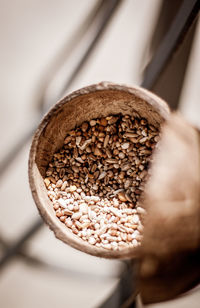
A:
(94, 101)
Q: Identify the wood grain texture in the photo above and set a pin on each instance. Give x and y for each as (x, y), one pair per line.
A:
(94, 101)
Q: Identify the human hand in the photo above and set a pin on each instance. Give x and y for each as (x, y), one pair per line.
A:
(170, 253)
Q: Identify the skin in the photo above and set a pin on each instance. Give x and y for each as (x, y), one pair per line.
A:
(170, 255)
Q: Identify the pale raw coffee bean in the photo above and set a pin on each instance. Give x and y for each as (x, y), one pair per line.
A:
(92, 240)
(84, 218)
(67, 212)
(69, 201)
(56, 206)
(121, 155)
(76, 215)
(68, 223)
(113, 232)
(140, 210)
(62, 218)
(114, 245)
(124, 236)
(129, 237)
(135, 219)
(59, 183)
(76, 207)
(78, 225)
(140, 228)
(134, 243)
(85, 225)
(97, 226)
(74, 230)
(59, 213)
(135, 234)
(125, 146)
(62, 203)
(83, 208)
(72, 188)
(64, 185)
(107, 246)
(71, 207)
(78, 140)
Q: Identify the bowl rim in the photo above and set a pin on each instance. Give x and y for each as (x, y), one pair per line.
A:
(74, 241)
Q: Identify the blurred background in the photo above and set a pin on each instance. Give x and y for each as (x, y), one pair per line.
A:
(50, 48)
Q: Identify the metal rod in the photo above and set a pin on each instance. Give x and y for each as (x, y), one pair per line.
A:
(109, 12)
(12, 154)
(49, 266)
(182, 22)
(17, 246)
(126, 290)
(68, 48)
(67, 271)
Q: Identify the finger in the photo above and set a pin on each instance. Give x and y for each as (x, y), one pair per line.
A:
(172, 198)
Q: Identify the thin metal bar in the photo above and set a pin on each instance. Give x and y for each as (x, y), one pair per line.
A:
(170, 82)
(17, 246)
(126, 290)
(12, 154)
(3, 243)
(75, 274)
(67, 49)
(109, 12)
(38, 262)
(182, 22)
